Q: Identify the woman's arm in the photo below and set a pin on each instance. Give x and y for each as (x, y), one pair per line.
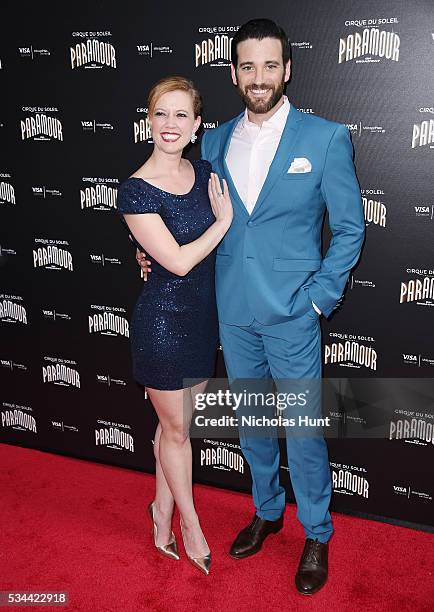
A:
(151, 232)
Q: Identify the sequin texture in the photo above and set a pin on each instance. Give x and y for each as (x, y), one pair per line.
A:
(174, 327)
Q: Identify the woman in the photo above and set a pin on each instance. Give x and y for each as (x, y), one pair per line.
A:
(176, 211)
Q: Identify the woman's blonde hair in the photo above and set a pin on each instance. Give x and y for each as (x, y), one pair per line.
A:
(174, 83)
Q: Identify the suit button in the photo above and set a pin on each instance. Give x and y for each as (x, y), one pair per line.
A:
(250, 223)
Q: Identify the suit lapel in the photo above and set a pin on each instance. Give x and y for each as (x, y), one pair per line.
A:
(283, 155)
(224, 146)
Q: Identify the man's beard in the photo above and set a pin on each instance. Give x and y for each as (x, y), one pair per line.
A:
(260, 107)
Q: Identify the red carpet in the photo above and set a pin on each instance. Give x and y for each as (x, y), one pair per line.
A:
(81, 527)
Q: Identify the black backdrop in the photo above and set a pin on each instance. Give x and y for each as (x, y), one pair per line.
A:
(74, 80)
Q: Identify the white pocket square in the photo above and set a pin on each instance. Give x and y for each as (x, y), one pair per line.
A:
(300, 164)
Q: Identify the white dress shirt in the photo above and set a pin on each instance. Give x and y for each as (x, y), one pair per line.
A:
(251, 151)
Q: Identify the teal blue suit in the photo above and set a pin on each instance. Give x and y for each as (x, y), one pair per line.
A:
(269, 269)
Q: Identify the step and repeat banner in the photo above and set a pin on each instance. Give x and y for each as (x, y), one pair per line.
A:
(74, 82)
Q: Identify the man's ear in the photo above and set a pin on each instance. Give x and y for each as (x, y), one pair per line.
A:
(234, 75)
(287, 70)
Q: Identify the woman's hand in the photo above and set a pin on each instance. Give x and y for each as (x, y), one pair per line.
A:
(180, 259)
(220, 201)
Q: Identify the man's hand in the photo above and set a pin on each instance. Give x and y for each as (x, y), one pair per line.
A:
(144, 263)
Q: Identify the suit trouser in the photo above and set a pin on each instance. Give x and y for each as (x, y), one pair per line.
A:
(284, 352)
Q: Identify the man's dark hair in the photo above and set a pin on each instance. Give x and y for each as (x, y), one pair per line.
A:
(259, 29)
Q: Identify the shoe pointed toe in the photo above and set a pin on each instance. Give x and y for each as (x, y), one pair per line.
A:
(202, 563)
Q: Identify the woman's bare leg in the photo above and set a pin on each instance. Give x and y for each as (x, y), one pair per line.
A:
(174, 410)
(164, 502)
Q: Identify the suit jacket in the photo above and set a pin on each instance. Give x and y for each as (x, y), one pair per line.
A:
(269, 264)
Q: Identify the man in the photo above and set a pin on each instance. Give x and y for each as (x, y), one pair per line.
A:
(284, 169)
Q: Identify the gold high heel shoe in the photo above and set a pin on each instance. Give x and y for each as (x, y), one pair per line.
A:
(202, 563)
(168, 550)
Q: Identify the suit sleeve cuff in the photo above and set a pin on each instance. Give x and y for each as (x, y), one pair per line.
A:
(316, 307)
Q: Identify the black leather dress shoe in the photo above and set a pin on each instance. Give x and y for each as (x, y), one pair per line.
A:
(250, 539)
(313, 567)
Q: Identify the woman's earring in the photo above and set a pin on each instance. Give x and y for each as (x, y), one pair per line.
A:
(193, 137)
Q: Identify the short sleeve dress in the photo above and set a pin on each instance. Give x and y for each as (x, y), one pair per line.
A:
(174, 325)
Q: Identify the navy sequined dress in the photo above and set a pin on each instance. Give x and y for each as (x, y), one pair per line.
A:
(174, 326)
